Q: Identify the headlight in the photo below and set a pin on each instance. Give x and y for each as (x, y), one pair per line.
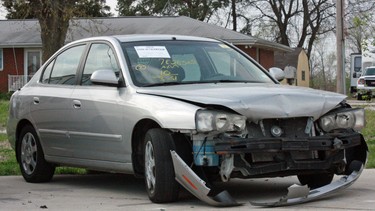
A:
(207, 121)
(354, 118)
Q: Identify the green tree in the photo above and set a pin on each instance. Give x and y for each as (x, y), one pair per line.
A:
(54, 17)
(197, 9)
(359, 23)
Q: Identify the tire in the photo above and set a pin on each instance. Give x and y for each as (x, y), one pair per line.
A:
(159, 172)
(359, 96)
(34, 167)
(314, 181)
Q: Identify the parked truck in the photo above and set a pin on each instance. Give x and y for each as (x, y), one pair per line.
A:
(366, 82)
(355, 71)
(362, 79)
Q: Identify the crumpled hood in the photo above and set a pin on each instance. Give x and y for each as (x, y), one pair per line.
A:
(255, 101)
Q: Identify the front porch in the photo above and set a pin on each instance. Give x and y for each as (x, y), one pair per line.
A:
(16, 82)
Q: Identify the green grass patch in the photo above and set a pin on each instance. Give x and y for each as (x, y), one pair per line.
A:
(70, 170)
(8, 163)
(371, 159)
(4, 104)
(369, 134)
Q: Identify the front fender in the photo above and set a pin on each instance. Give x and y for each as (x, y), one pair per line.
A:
(168, 113)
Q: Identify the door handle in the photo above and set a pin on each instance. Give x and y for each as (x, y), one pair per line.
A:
(77, 104)
(36, 100)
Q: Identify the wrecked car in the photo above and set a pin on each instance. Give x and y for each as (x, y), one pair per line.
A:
(182, 111)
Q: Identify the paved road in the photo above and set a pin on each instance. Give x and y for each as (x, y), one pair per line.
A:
(124, 192)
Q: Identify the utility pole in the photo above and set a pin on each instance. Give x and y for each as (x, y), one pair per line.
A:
(340, 47)
(234, 15)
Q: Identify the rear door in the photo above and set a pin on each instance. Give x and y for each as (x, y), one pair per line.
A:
(51, 101)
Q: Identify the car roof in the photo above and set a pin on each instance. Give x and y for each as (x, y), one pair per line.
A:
(146, 37)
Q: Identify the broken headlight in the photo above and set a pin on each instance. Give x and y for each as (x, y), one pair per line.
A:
(207, 121)
(353, 118)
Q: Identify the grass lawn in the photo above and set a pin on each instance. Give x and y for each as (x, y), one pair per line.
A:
(9, 166)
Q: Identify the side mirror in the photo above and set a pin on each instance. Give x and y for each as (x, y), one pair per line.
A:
(277, 73)
(104, 77)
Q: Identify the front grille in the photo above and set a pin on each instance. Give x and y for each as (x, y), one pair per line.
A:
(370, 82)
(291, 127)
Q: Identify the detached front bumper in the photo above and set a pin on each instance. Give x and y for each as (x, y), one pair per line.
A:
(347, 149)
(296, 194)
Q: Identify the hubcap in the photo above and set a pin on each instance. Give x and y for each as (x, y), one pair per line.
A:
(28, 153)
(150, 167)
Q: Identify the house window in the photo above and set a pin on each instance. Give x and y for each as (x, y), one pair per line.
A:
(33, 61)
(1, 59)
(303, 75)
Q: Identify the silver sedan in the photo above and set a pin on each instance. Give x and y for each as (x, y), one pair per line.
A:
(180, 110)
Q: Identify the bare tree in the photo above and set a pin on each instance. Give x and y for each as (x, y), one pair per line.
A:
(323, 66)
(359, 23)
(298, 23)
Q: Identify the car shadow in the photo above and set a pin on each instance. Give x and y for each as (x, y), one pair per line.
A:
(243, 191)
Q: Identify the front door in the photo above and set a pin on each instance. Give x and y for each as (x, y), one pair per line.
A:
(96, 130)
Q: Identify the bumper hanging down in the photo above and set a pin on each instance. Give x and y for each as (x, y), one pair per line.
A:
(296, 194)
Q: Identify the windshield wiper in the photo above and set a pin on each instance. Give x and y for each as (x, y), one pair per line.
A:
(199, 82)
(231, 81)
(162, 84)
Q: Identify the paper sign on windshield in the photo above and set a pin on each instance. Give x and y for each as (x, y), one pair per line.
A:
(152, 52)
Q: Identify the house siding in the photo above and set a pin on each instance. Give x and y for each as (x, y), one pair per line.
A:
(265, 57)
(11, 57)
(303, 65)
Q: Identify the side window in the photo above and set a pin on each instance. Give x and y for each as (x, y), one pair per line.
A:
(99, 57)
(47, 72)
(64, 67)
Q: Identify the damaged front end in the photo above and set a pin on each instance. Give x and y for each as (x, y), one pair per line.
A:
(313, 150)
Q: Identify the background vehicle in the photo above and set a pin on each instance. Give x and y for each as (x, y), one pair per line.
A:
(355, 71)
(366, 83)
(178, 109)
(358, 66)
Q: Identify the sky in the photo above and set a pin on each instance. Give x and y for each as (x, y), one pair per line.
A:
(111, 3)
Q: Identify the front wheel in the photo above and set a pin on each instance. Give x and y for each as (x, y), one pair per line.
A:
(314, 181)
(159, 172)
(34, 167)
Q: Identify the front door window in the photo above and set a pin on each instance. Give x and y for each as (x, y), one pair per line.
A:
(33, 62)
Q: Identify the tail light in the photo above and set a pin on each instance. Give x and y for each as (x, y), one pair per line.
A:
(361, 81)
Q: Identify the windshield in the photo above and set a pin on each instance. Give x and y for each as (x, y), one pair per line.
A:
(370, 71)
(154, 63)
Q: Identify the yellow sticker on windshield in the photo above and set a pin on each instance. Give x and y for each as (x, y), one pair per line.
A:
(223, 46)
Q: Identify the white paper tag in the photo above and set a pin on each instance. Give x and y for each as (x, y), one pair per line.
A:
(152, 52)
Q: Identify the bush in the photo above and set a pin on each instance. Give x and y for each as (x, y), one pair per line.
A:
(5, 96)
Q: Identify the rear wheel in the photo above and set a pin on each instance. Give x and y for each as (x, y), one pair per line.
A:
(34, 167)
(314, 181)
(159, 172)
